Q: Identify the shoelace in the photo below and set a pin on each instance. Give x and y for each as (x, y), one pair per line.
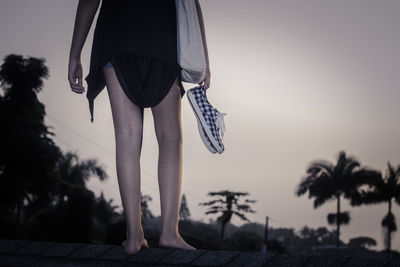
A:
(220, 122)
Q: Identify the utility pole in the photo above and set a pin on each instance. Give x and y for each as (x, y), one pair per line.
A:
(264, 247)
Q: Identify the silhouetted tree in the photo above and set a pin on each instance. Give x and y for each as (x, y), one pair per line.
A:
(105, 210)
(323, 234)
(384, 189)
(77, 214)
(74, 171)
(326, 181)
(41, 188)
(72, 214)
(105, 214)
(309, 235)
(227, 204)
(362, 242)
(184, 212)
(28, 155)
(146, 212)
(286, 236)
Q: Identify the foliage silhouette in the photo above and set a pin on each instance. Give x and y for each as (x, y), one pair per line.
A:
(43, 193)
(326, 181)
(105, 215)
(76, 172)
(384, 189)
(28, 155)
(146, 212)
(73, 213)
(313, 237)
(362, 242)
(228, 206)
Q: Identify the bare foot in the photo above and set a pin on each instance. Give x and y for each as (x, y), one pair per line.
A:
(174, 242)
(133, 248)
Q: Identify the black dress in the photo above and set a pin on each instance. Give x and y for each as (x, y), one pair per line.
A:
(139, 38)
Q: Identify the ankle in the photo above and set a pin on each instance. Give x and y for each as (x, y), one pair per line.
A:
(136, 234)
(169, 234)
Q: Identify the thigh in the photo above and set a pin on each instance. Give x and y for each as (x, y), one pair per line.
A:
(167, 114)
(127, 117)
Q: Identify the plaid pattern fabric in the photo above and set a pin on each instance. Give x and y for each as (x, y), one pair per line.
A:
(211, 116)
(204, 137)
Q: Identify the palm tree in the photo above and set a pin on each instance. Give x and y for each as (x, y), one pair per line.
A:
(384, 189)
(326, 181)
(28, 155)
(105, 210)
(77, 172)
(228, 206)
(79, 214)
(36, 178)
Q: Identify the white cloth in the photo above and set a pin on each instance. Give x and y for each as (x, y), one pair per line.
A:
(190, 48)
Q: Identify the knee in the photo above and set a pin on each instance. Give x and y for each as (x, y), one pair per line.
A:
(169, 137)
(129, 136)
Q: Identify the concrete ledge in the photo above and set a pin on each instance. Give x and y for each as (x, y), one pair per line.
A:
(33, 253)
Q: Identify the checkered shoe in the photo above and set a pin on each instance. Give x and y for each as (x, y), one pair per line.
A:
(205, 138)
(210, 118)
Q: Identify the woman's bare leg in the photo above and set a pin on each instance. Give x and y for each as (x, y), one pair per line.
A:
(167, 122)
(128, 128)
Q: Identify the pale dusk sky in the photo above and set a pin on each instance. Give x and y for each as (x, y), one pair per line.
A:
(299, 81)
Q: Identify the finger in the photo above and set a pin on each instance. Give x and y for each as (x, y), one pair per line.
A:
(76, 80)
(78, 92)
(77, 87)
(73, 81)
(75, 84)
(80, 81)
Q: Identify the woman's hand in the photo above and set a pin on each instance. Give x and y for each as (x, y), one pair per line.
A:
(206, 81)
(83, 20)
(75, 75)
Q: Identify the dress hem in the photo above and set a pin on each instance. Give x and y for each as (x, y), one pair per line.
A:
(96, 84)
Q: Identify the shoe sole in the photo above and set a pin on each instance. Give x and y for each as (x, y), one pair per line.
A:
(200, 117)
